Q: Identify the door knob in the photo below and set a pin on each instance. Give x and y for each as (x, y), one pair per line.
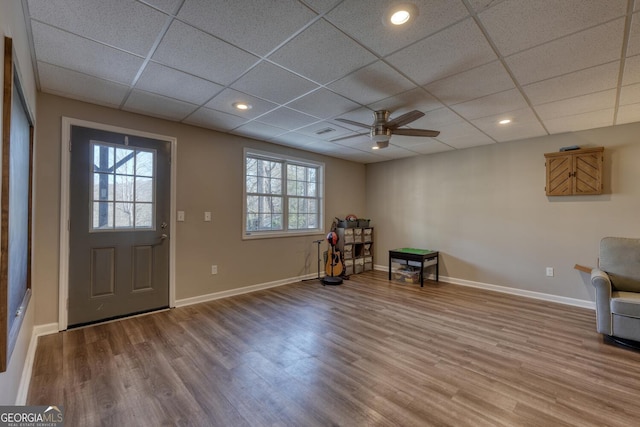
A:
(163, 236)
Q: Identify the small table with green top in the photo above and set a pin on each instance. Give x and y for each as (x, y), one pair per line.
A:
(416, 255)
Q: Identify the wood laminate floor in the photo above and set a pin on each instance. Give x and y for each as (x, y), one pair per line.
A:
(367, 353)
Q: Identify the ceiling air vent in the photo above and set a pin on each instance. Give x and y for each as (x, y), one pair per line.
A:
(325, 130)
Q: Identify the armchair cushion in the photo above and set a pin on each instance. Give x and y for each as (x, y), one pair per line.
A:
(620, 258)
(625, 303)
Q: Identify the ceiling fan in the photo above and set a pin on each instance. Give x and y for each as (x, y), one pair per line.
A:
(382, 128)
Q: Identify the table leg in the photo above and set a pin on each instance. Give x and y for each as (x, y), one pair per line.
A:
(422, 273)
(389, 267)
(437, 268)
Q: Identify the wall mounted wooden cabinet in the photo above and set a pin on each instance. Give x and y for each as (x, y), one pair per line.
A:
(574, 172)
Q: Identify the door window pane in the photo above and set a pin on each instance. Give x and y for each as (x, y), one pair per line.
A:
(144, 216)
(123, 188)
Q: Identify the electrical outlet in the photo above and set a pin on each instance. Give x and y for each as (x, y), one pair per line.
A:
(550, 271)
(207, 216)
(214, 269)
(180, 216)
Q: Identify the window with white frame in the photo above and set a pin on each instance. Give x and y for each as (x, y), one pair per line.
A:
(282, 195)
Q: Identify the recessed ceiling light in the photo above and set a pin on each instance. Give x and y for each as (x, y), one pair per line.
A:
(400, 14)
(505, 121)
(400, 17)
(241, 106)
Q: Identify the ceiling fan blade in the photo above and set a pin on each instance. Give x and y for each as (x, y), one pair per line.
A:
(404, 119)
(416, 132)
(351, 122)
(347, 137)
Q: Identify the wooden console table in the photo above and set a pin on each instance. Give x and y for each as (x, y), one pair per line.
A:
(416, 255)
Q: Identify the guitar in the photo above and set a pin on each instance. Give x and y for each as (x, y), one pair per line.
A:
(334, 265)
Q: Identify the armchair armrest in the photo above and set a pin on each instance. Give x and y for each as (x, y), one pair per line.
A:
(600, 280)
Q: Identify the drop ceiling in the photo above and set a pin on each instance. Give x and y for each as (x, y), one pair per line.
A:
(550, 66)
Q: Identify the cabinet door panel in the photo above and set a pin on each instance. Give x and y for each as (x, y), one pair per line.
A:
(588, 173)
(559, 176)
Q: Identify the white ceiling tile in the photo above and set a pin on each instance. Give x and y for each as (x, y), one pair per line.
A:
(129, 25)
(591, 120)
(502, 102)
(212, 119)
(321, 6)
(325, 147)
(158, 106)
(273, 83)
(578, 105)
(630, 94)
(372, 83)
(462, 135)
(628, 114)
(322, 54)
(631, 70)
(520, 24)
(413, 142)
(414, 99)
(438, 118)
(524, 124)
(361, 115)
(168, 6)
(362, 142)
(166, 81)
(259, 131)
(594, 79)
(451, 51)
(634, 35)
(292, 139)
(480, 5)
(323, 103)
(71, 84)
(286, 118)
(190, 50)
(475, 83)
(69, 51)
(431, 146)
(588, 48)
(363, 20)
(224, 102)
(271, 24)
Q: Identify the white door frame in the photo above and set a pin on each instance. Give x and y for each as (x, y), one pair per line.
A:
(65, 173)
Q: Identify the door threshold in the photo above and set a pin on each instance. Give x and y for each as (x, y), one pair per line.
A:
(118, 318)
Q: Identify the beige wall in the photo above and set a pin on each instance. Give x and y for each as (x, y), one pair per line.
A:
(12, 25)
(486, 210)
(209, 178)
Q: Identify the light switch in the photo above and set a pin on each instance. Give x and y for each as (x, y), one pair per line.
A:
(180, 216)
(207, 216)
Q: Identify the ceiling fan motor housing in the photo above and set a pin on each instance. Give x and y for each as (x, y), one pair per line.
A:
(379, 129)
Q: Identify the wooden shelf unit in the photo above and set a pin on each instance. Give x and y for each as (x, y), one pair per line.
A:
(576, 172)
(356, 247)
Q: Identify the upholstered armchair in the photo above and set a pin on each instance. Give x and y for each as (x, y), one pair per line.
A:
(617, 283)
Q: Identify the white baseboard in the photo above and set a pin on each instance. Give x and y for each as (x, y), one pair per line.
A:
(25, 379)
(512, 291)
(224, 294)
